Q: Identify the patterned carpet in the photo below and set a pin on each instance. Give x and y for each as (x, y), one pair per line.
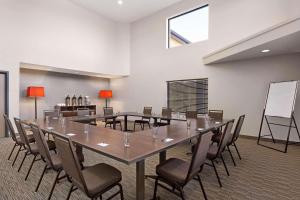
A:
(262, 174)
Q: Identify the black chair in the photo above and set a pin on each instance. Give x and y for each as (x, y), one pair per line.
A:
(94, 181)
(145, 119)
(216, 115)
(191, 114)
(31, 149)
(177, 173)
(53, 161)
(108, 111)
(16, 139)
(215, 150)
(166, 115)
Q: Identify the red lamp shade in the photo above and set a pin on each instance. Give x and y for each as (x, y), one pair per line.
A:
(105, 94)
(33, 91)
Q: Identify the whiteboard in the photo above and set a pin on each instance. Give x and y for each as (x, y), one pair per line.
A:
(281, 99)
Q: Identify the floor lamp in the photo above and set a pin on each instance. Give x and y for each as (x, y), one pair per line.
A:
(105, 94)
(35, 92)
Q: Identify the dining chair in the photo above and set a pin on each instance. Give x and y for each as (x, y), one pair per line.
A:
(166, 114)
(216, 115)
(191, 114)
(178, 173)
(215, 150)
(53, 161)
(51, 113)
(145, 119)
(95, 180)
(234, 137)
(17, 140)
(31, 148)
(109, 111)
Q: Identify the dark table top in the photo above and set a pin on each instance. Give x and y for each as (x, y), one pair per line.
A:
(142, 143)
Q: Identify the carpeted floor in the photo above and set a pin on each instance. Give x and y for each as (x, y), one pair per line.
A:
(262, 174)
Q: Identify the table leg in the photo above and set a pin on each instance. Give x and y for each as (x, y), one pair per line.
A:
(162, 156)
(125, 123)
(155, 121)
(114, 123)
(140, 182)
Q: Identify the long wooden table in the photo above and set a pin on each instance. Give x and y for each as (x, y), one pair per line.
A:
(142, 144)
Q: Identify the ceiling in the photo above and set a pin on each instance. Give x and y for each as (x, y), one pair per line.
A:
(129, 11)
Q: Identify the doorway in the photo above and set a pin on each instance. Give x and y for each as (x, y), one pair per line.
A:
(3, 102)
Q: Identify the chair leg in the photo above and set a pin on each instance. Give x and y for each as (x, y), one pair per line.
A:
(70, 191)
(155, 189)
(225, 165)
(121, 126)
(202, 188)
(213, 164)
(30, 167)
(237, 150)
(53, 185)
(16, 156)
(40, 180)
(12, 151)
(181, 193)
(121, 192)
(231, 156)
(25, 155)
(149, 125)
(134, 127)
(143, 126)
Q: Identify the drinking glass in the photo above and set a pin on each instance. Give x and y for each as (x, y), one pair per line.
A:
(126, 139)
(188, 123)
(86, 128)
(154, 131)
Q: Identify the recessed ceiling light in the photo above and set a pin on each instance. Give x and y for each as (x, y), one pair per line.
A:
(120, 2)
(265, 50)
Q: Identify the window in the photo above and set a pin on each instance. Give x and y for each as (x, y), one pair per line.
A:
(186, 95)
(189, 27)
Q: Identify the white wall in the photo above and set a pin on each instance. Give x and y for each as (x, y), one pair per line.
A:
(237, 87)
(59, 33)
(57, 86)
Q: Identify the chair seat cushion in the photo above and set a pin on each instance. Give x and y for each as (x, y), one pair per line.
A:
(212, 151)
(30, 139)
(173, 170)
(34, 149)
(216, 138)
(57, 164)
(99, 177)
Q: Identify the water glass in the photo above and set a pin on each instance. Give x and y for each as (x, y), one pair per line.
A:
(154, 131)
(126, 139)
(86, 128)
(188, 123)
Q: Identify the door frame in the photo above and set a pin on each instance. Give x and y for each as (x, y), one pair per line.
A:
(6, 103)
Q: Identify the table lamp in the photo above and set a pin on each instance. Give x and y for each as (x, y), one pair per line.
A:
(105, 94)
(33, 91)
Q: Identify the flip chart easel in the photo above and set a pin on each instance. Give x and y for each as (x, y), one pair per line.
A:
(280, 103)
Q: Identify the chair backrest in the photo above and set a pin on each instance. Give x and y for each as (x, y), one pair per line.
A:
(216, 114)
(10, 128)
(69, 159)
(199, 154)
(22, 133)
(51, 113)
(147, 111)
(191, 114)
(83, 112)
(108, 110)
(166, 112)
(225, 136)
(41, 143)
(238, 128)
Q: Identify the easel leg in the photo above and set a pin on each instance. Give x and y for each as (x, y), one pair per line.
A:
(261, 123)
(296, 126)
(288, 137)
(269, 129)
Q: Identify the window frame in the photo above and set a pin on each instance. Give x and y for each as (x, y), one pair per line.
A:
(179, 15)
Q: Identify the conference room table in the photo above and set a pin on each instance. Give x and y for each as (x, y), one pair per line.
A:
(143, 144)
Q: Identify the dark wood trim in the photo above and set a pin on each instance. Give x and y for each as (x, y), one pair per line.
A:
(6, 103)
